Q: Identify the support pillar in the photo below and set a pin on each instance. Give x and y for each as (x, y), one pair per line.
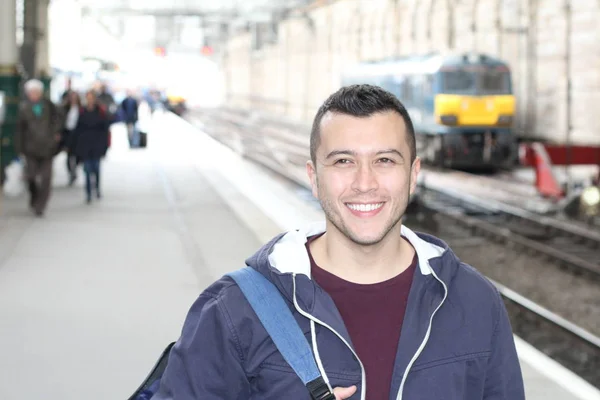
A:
(42, 60)
(28, 55)
(9, 80)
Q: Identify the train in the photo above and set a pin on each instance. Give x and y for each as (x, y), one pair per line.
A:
(176, 103)
(462, 105)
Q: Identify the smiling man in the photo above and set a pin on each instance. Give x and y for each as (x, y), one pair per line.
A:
(389, 313)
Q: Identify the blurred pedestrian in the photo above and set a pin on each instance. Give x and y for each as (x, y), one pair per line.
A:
(70, 112)
(91, 141)
(105, 98)
(68, 90)
(36, 139)
(129, 111)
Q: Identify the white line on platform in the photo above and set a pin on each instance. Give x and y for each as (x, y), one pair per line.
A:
(556, 372)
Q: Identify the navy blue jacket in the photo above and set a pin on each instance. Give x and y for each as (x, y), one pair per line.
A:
(456, 341)
(90, 136)
(129, 108)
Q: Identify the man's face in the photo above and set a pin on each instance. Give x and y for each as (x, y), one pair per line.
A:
(34, 95)
(363, 177)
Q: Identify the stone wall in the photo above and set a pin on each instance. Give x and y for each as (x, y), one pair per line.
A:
(293, 75)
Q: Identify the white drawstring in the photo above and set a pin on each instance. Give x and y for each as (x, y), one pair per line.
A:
(315, 347)
(317, 356)
(363, 389)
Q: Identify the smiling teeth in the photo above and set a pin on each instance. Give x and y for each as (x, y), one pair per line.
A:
(364, 207)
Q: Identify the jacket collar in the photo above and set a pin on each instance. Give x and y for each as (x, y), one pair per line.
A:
(289, 254)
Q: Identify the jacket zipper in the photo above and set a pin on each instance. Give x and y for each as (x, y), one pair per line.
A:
(425, 339)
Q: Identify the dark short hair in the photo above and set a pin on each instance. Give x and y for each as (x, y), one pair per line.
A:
(361, 101)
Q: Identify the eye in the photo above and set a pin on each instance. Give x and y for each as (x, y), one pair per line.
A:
(386, 160)
(342, 161)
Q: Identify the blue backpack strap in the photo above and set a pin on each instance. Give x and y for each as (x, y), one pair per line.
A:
(280, 324)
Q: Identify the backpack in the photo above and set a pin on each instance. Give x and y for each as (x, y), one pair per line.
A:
(279, 322)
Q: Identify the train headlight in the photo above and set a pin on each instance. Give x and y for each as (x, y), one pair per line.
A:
(590, 200)
(505, 119)
(448, 119)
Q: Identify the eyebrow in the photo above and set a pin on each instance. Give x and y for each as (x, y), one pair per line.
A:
(353, 153)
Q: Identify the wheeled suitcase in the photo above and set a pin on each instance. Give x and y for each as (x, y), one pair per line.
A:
(143, 139)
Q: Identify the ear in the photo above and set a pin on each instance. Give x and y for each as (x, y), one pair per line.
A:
(312, 176)
(414, 173)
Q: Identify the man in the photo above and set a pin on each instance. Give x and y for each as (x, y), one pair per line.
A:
(36, 139)
(390, 313)
(107, 100)
(129, 111)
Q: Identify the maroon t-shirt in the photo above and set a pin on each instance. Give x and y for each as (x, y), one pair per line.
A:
(373, 315)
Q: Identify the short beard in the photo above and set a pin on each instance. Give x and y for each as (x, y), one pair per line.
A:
(337, 221)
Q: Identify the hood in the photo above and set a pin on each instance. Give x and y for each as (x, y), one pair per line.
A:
(286, 255)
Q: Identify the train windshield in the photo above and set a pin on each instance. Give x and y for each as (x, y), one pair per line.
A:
(459, 82)
(494, 81)
(479, 81)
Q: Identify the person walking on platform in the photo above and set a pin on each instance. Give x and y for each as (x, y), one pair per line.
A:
(389, 313)
(70, 111)
(129, 111)
(91, 141)
(68, 90)
(106, 99)
(36, 139)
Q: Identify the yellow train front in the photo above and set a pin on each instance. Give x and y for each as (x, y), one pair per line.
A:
(176, 103)
(462, 106)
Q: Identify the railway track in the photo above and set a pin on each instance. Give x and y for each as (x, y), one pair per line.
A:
(561, 340)
(569, 246)
(474, 219)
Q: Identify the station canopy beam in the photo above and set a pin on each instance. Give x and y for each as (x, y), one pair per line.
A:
(231, 9)
(218, 20)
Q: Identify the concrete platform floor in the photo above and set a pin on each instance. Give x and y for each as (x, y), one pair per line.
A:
(91, 294)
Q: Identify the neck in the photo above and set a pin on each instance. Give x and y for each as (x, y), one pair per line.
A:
(339, 255)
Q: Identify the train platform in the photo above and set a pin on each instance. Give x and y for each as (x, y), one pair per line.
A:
(91, 294)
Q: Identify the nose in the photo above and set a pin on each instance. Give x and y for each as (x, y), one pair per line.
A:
(365, 179)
